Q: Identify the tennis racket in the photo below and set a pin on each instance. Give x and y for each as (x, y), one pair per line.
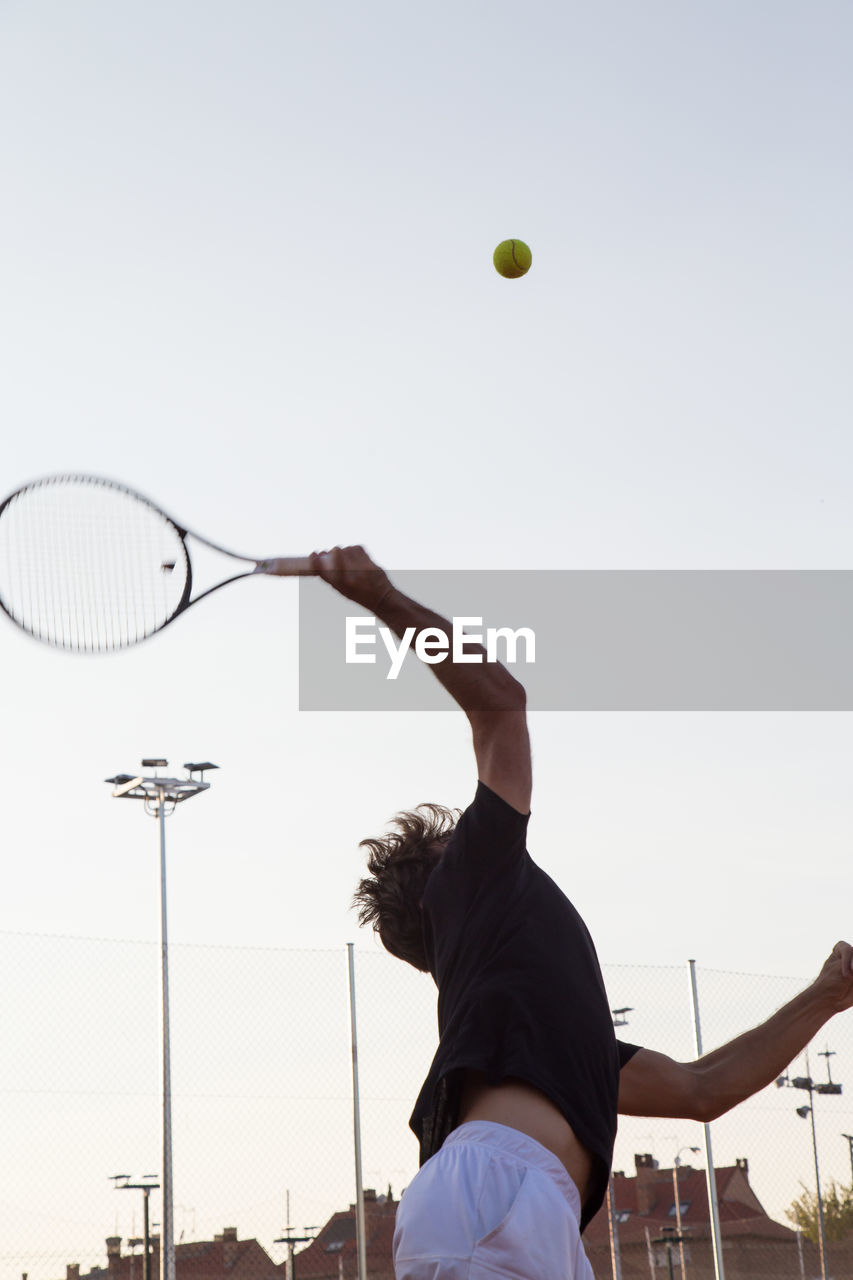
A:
(89, 565)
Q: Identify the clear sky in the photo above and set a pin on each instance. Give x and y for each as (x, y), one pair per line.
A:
(247, 270)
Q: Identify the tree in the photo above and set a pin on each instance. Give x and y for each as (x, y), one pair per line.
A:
(837, 1212)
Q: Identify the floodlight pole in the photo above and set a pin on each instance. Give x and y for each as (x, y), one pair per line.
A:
(160, 797)
(827, 1086)
(821, 1223)
(168, 1255)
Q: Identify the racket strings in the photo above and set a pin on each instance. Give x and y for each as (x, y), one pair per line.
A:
(89, 566)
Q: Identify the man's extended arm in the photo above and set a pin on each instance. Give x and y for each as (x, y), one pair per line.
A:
(492, 699)
(651, 1084)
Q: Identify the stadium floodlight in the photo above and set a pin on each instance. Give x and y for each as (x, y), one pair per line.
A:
(127, 785)
(200, 768)
(160, 797)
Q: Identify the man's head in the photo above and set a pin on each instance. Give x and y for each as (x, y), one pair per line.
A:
(400, 863)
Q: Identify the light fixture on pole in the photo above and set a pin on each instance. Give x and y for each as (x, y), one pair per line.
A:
(827, 1086)
(123, 1183)
(160, 796)
(677, 1201)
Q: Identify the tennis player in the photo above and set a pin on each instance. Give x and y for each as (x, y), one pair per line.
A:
(517, 1117)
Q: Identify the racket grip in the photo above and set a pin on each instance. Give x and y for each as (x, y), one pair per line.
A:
(286, 567)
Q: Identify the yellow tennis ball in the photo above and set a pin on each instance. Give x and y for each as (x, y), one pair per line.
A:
(512, 259)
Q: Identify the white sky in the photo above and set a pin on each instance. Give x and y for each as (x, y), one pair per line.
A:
(247, 270)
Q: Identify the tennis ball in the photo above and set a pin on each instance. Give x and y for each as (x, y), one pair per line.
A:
(512, 259)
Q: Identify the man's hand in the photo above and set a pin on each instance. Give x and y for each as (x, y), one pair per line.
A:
(351, 571)
(834, 983)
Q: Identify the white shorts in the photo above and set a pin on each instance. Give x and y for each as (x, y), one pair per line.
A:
(491, 1202)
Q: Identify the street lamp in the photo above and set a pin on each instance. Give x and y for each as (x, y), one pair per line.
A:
(160, 796)
(123, 1183)
(677, 1196)
(829, 1086)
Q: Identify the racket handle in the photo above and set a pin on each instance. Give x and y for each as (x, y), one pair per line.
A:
(286, 567)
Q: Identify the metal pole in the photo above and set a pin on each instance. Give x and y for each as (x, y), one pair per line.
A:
(288, 1263)
(168, 1243)
(716, 1234)
(613, 1225)
(146, 1257)
(677, 1195)
(356, 1113)
(650, 1253)
(821, 1236)
(800, 1254)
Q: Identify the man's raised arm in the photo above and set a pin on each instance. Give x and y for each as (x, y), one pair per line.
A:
(651, 1084)
(492, 699)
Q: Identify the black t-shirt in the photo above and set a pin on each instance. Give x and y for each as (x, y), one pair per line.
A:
(520, 991)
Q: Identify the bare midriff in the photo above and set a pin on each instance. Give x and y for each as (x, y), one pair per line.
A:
(520, 1106)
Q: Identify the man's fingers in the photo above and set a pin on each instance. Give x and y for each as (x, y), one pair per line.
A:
(844, 952)
(351, 571)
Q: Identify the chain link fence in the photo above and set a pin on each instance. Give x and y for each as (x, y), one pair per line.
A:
(262, 1096)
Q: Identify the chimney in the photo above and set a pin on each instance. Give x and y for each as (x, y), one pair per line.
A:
(742, 1163)
(113, 1253)
(230, 1247)
(72, 1271)
(369, 1194)
(646, 1189)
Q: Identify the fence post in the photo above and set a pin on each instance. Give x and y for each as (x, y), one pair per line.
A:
(613, 1224)
(356, 1117)
(716, 1234)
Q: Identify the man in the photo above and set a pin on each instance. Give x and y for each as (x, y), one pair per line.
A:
(517, 1116)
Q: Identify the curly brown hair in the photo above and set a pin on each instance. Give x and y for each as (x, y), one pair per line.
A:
(400, 863)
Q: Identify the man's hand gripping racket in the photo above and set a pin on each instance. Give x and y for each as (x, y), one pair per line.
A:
(353, 574)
